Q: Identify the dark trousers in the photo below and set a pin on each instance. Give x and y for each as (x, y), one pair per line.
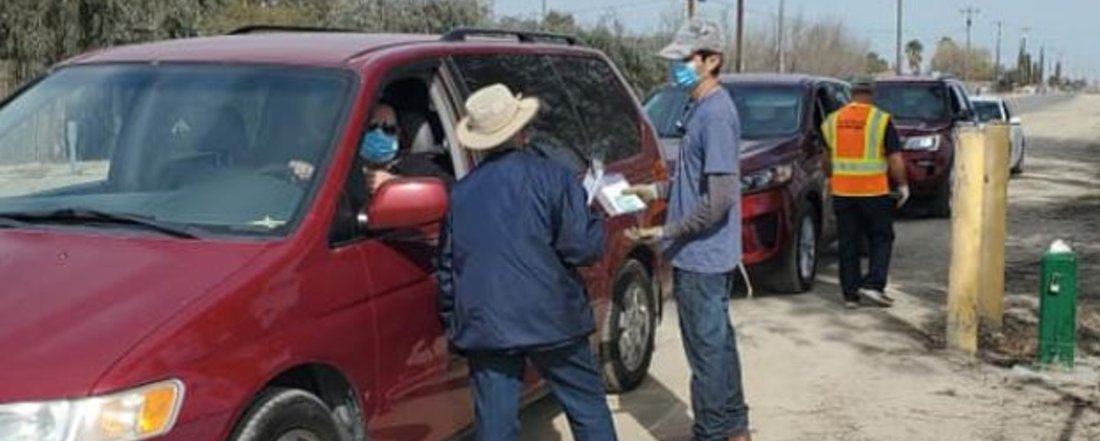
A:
(571, 373)
(717, 398)
(860, 219)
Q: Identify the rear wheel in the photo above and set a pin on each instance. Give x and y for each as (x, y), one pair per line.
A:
(287, 415)
(628, 350)
(797, 266)
(1018, 164)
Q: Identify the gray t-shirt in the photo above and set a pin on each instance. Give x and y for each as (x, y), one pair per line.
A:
(710, 147)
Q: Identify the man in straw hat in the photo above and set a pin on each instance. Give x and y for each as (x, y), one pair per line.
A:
(518, 228)
(703, 232)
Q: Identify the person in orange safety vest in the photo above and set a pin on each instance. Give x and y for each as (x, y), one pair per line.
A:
(865, 153)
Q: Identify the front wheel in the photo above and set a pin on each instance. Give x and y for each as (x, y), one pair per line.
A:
(630, 326)
(796, 268)
(287, 415)
(941, 202)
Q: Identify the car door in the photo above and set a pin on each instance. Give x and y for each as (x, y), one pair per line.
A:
(831, 98)
(414, 397)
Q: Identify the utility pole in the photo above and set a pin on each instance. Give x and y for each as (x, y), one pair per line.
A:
(780, 48)
(997, 67)
(691, 9)
(544, 12)
(740, 58)
(970, 12)
(897, 68)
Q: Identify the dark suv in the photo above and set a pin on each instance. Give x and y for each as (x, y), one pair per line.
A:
(189, 252)
(785, 204)
(927, 113)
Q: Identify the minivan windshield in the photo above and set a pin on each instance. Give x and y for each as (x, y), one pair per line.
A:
(198, 148)
(988, 111)
(914, 101)
(766, 111)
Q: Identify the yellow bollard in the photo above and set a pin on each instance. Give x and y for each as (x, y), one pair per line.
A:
(966, 241)
(991, 301)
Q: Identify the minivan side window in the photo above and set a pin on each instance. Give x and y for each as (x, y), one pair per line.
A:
(604, 104)
(556, 131)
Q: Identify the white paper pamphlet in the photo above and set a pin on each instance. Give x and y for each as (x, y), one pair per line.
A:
(609, 192)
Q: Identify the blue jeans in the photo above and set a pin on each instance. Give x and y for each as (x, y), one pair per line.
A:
(711, 345)
(571, 373)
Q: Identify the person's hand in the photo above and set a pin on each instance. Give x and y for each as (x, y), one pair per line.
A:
(903, 195)
(301, 170)
(645, 235)
(377, 178)
(647, 192)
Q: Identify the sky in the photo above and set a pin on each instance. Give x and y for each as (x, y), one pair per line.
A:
(1068, 28)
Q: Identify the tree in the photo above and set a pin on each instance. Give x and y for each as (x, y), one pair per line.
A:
(914, 52)
(952, 59)
(876, 64)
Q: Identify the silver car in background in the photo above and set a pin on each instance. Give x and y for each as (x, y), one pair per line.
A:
(995, 109)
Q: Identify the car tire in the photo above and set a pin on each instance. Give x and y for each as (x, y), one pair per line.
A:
(280, 414)
(1018, 166)
(796, 268)
(630, 329)
(941, 202)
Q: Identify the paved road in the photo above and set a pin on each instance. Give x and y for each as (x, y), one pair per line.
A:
(817, 372)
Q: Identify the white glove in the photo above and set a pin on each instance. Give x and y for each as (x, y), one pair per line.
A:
(903, 195)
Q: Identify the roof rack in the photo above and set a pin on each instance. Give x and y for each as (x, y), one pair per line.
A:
(257, 29)
(463, 33)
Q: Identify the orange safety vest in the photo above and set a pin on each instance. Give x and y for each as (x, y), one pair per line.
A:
(856, 136)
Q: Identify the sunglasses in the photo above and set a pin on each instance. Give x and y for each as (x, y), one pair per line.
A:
(386, 128)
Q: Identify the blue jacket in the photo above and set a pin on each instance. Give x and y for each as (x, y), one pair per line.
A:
(519, 226)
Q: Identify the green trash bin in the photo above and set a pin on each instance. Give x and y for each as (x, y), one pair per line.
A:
(1058, 307)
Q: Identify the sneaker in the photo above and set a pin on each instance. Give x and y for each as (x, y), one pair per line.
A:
(851, 304)
(877, 297)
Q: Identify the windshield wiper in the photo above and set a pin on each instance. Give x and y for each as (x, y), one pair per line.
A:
(75, 215)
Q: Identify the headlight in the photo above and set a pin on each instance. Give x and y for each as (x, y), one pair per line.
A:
(132, 415)
(766, 179)
(923, 143)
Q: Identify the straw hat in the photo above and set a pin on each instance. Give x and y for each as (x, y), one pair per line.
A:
(493, 116)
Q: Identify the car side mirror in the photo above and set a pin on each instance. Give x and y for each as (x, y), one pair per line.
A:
(1015, 121)
(405, 203)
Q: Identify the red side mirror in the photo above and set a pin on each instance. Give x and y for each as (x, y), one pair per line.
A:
(407, 203)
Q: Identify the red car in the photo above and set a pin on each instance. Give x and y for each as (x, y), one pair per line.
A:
(785, 210)
(928, 112)
(184, 254)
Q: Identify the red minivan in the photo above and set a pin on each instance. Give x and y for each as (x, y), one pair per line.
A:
(188, 251)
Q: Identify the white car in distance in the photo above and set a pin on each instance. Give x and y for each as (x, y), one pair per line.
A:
(995, 109)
